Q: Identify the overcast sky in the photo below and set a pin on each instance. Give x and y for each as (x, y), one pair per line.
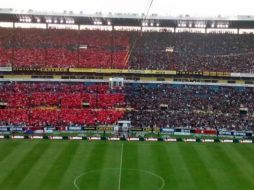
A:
(162, 7)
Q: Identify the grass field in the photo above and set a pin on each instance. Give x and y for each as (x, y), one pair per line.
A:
(72, 165)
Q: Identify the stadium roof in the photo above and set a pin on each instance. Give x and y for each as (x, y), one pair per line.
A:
(147, 12)
(123, 19)
(161, 7)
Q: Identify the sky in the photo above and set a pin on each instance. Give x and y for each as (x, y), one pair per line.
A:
(160, 7)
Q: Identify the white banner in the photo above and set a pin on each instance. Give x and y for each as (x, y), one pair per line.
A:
(75, 138)
(189, 140)
(36, 137)
(133, 139)
(226, 141)
(246, 141)
(5, 69)
(170, 140)
(114, 139)
(207, 140)
(94, 138)
(151, 139)
(17, 137)
(249, 75)
(55, 137)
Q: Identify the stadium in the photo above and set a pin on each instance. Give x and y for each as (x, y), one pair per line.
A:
(126, 101)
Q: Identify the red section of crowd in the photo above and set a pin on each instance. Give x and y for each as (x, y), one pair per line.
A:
(58, 104)
(38, 48)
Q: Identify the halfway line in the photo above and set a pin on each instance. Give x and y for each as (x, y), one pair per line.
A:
(120, 169)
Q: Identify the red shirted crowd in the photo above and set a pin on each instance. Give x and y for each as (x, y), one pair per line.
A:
(59, 104)
(38, 48)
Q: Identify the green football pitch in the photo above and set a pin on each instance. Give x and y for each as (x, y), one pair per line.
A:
(83, 165)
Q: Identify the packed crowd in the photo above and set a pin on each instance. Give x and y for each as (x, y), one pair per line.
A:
(59, 104)
(193, 52)
(40, 104)
(190, 106)
(39, 48)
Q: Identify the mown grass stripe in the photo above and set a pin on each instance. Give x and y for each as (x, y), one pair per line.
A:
(131, 160)
(110, 178)
(12, 161)
(246, 152)
(163, 156)
(184, 176)
(234, 176)
(120, 168)
(16, 176)
(160, 163)
(34, 178)
(250, 147)
(61, 164)
(95, 161)
(241, 161)
(196, 167)
(7, 148)
(146, 163)
(209, 156)
(76, 166)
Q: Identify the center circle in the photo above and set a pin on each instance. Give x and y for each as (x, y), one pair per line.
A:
(109, 178)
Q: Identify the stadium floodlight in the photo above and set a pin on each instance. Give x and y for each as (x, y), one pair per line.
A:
(97, 22)
(144, 23)
(61, 21)
(55, 21)
(151, 24)
(109, 23)
(48, 20)
(212, 25)
(190, 25)
(158, 24)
